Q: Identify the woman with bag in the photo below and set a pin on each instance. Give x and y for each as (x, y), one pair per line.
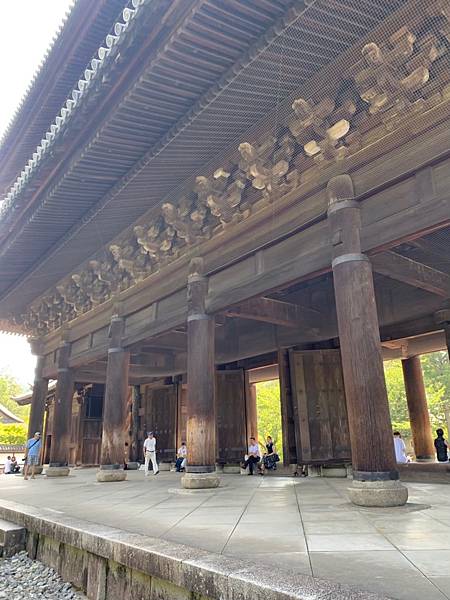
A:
(270, 457)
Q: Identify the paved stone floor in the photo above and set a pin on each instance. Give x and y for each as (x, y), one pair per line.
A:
(303, 525)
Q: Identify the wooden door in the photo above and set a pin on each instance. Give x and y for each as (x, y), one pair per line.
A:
(288, 423)
(159, 414)
(92, 425)
(231, 431)
(320, 413)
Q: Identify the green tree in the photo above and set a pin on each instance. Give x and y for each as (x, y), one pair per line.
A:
(269, 413)
(8, 389)
(436, 372)
(14, 433)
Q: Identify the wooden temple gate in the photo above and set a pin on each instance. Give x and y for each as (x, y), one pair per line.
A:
(318, 242)
(317, 432)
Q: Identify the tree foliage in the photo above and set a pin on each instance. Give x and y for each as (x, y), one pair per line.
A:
(8, 389)
(269, 413)
(436, 372)
(14, 433)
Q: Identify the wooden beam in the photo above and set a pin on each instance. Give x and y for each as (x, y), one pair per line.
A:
(97, 375)
(413, 273)
(276, 312)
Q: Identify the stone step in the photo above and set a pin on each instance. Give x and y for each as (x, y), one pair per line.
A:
(12, 538)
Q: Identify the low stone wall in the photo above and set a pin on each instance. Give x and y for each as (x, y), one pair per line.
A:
(111, 564)
(425, 472)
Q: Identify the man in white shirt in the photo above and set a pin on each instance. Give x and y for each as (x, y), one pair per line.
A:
(8, 466)
(150, 453)
(180, 464)
(253, 457)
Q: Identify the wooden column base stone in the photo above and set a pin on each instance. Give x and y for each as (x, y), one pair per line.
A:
(381, 494)
(197, 481)
(105, 475)
(53, 471)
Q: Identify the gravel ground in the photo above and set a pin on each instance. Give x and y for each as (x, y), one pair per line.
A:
(24, 579)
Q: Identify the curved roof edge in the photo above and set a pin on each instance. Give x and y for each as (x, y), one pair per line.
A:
(85, 22)
(106, 53)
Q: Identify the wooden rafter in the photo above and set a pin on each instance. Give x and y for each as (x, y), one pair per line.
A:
(413, 273)
(272, 311)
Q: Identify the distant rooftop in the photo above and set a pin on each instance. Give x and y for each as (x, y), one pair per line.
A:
(7, 417)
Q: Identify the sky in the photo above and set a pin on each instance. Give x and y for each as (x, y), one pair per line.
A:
(27, 31)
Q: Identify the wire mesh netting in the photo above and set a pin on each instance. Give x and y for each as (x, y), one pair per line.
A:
(325, 82)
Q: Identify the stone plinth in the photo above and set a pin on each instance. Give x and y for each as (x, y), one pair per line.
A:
(197, 481)
(133, 466)
(334, 471)
(12, 538)
(109, 475)
(164, 466)
(232, 469)
(57, 471)
(37, 470)
(378, 493)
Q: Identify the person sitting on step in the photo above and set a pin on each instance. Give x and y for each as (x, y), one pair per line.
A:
(253, 457)
(180, 464)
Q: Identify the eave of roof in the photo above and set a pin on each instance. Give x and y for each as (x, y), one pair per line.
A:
(151, 186)
(80, 34)
(25, 399)
(7, 417)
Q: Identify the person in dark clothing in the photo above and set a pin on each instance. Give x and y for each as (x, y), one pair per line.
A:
(441, 445)
(270, 457)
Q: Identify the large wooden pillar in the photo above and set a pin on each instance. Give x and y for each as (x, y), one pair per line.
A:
(419, 416)
(39, 396)
(201, 422)
(442, 318)
(114, 406)
(375, 475)
(136, 405)
(62, 416)
(251, 408)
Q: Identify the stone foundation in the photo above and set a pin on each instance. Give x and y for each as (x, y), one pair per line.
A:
(381, 494)
(12, 539)
(111, 564)
(110, 475)
(197, 481)
(57, 471)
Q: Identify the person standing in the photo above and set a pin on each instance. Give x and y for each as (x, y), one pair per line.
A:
(400, 448)
(180, 464)
(441, 445)
(32, 454)
(150, 454)
(253, 456)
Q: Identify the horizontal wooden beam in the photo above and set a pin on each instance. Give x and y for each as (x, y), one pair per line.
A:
(413, 273)
(272, 311)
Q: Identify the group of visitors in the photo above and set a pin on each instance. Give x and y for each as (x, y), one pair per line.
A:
(150, 456)
(253, 458)
(440, 443)
(31, 459)
(11, 465)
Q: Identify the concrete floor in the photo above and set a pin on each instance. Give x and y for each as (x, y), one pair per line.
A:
(303, 525)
